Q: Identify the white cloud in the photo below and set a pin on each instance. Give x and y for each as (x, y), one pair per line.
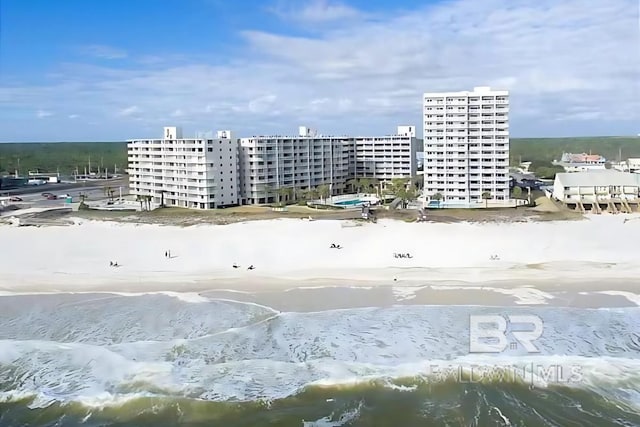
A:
(41, 114)
(102, 51)
(566, 66)
(316, 11)
(73, 116)
(131, 111)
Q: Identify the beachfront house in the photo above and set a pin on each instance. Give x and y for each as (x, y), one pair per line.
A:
(581, 162)
(596, 186)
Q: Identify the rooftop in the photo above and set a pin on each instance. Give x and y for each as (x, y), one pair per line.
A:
(599, 178)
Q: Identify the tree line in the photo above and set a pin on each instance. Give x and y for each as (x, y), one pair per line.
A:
(65, 157)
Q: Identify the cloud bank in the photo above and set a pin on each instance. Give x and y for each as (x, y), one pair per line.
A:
(571, 70)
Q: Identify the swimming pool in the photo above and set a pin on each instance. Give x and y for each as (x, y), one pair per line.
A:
(353, 202)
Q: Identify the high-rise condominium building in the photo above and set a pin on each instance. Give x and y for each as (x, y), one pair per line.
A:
(298, 163)
(387, 157)
(185, 172)
(466, 146)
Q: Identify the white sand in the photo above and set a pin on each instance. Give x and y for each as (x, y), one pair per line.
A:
(296, 253)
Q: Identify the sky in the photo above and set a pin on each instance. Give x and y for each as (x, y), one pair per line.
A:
(85, 70)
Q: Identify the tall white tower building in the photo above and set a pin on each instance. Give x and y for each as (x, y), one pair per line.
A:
(466, 147)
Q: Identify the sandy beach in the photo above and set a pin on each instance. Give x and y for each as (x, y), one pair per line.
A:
(583, 263)
(313, 326)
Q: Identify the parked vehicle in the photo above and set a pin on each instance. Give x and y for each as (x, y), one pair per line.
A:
(47, 194)
(52, 197)
(15, 199)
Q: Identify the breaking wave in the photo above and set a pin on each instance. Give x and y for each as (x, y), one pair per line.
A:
(105, 357)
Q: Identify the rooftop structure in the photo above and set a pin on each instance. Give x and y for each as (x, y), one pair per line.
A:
(581, 162)
(583, 158)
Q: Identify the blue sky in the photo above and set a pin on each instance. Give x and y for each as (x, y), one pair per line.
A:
(118, 69)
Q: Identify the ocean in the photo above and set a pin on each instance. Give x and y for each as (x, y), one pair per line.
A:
(200, 360)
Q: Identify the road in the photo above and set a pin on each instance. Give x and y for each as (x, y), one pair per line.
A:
(93, 190)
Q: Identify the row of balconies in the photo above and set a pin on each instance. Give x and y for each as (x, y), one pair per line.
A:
(297, 166)
(170, 159)
(195, 192)
(169, 187)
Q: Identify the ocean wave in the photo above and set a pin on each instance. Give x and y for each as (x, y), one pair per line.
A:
(107, 319)
(277, 356)
(447, 402)
(111, 380)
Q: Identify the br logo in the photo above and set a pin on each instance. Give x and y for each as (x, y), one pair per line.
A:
(487, 333)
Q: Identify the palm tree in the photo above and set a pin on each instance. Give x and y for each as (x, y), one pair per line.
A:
(365, 184)
(355, 184)
(162, 198)
(517, 192)
(310, 194)
(438, 197)
(324, 191)
(284, 194)
(289, 193)
(107, 191)
(266, 188)
(486, 196)
(400, 188)
(139, 199)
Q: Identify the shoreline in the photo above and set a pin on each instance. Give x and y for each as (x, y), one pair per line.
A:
(329, 298)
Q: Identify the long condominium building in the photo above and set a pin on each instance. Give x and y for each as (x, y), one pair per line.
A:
(466, 146)
(298, 163)
(185, 172)
(210, 173)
